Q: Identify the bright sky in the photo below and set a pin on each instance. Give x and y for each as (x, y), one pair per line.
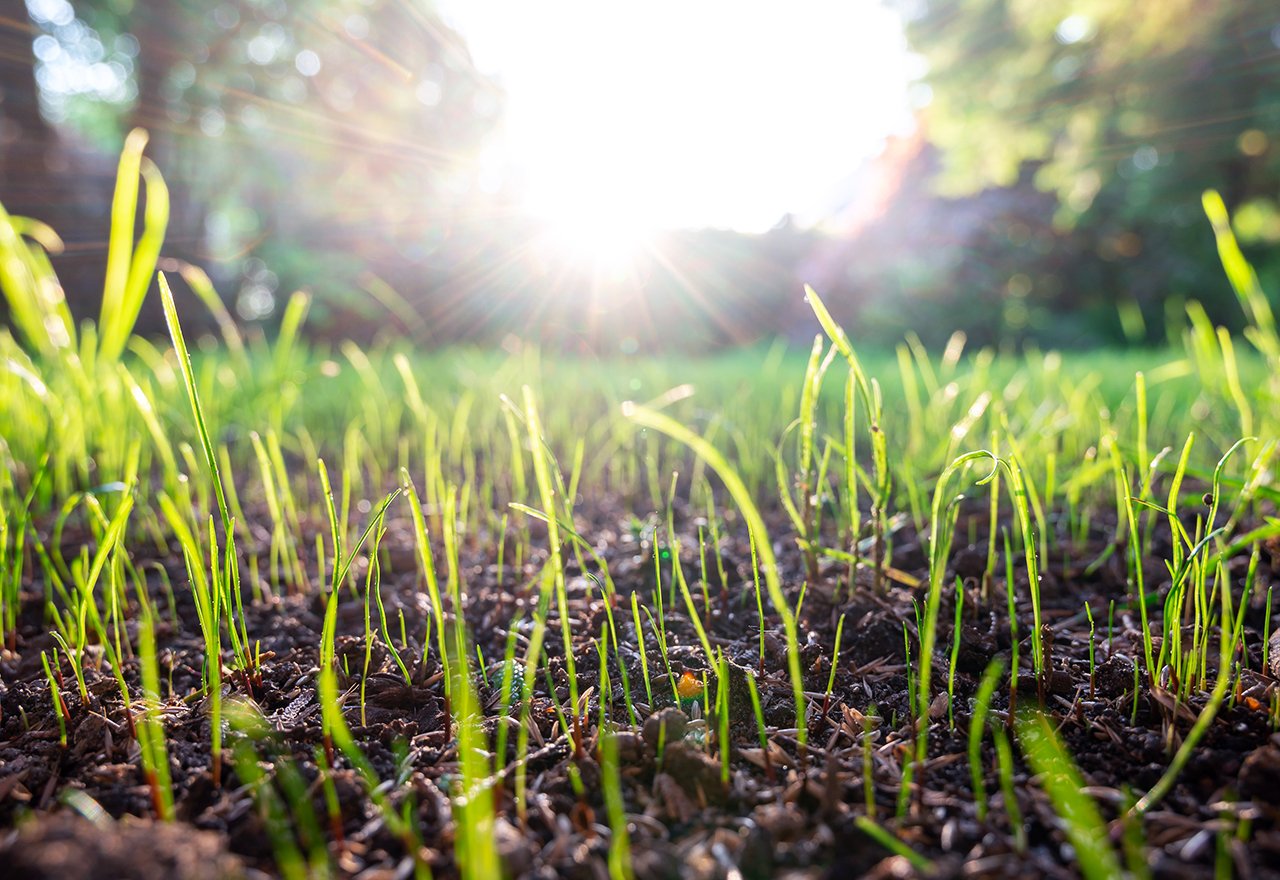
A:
(625, 117)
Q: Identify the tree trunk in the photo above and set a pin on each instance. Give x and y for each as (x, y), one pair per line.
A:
(162, 32)
(27, 141)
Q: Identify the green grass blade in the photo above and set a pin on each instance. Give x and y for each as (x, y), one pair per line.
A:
(193, 396)
(1063, 784)
(755, 524)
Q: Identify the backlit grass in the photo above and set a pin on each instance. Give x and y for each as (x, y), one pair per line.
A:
(272, 469)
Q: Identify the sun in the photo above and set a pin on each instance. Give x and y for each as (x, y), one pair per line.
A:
(623, 118)
(591, 207)
(602, 238)
(604, 244)
(589, 189)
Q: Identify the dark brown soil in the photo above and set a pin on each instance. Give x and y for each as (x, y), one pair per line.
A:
(785, 811)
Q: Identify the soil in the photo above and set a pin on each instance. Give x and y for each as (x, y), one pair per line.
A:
(84, 810)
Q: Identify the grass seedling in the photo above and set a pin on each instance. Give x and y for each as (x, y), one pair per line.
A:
(1210, 711)
(331, 805)
(977, 724)
(805, 477)
(1004, 764)
(908, 767)
(150, 729)
(1089, 614)
(208, 613)
(84, 604)
(662, 651)
(1132, 842)
(532, 654)
(876, 832)
(510, 683)
(869, 395)
(714, 522)
(644, 651)
(55, 694)
(342, 741)
(1138, 579)
(129, 268)
(12, 557)
(702, 580)
(993, 525)
(193, 397)
(372, 588)
(275, 818)
(284, 552)
(218, 595)
(835, 664)
(1243, 279)
(542, 464)
(1018, 491)
(426, 562)
(1266, 634)
(619, 859)
(37, 308)
(341, 565)
(722, 717)
(1013, 624)
(75, 660)
(285, 806)
(868, 767)
(955, 654)
(302, 815)
(694, 617)
(567, 729)
(761, 729)
(473, 805)
(941, 530)
(657, 589)
(756, 529)
(374, 585)
(755, 580)
(1063, 784)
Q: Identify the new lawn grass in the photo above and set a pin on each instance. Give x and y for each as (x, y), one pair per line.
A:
(391, 760)
(837, 611)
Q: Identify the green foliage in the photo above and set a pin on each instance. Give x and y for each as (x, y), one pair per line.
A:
(1124, 113)
(649, 418)
(130, 268)
(1150, 101)
(1061, 780)
(36, 302)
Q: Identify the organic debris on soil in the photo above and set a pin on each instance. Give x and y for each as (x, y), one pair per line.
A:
(783, 807)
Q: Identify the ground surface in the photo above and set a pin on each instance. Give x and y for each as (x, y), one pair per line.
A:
(790, 811)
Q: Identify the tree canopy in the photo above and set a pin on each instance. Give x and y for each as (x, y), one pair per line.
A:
(320, 133)
(1159, 98)
(1125, 113)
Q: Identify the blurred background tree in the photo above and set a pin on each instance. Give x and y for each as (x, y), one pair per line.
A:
(303, 141)
(1125, 113)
